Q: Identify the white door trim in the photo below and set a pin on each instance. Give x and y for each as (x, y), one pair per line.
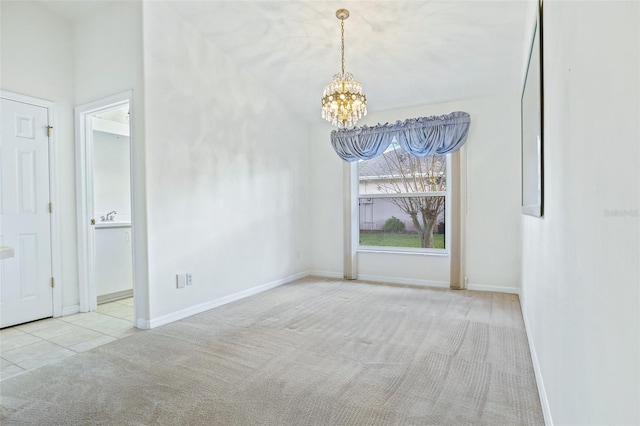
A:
(84, 152)
(53, 192)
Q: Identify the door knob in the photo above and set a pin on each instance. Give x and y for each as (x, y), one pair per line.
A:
(93, 221)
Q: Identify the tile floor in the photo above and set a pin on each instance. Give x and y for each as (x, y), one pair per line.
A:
(32, 345)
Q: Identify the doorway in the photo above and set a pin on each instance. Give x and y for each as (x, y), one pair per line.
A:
(105, 216)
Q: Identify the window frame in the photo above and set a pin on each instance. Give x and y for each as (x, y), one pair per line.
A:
(404, 250)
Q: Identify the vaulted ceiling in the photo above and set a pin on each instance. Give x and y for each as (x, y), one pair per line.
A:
(405, 52)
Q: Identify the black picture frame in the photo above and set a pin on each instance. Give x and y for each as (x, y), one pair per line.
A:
(532, 127)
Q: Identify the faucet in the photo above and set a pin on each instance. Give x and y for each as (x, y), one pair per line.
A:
(108, 217)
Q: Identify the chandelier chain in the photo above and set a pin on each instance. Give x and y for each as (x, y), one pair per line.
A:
(342, 37)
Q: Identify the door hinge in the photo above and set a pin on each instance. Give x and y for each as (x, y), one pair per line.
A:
(49, 128)
(53, 282)
(50, 207)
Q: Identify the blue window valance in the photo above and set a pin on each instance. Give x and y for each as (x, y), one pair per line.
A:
(417, 136)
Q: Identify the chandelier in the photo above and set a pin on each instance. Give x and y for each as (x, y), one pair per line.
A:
(343, 102)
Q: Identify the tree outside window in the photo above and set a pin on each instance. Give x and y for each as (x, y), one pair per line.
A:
(402, 200)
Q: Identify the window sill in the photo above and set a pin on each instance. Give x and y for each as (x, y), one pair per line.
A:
(387, 250)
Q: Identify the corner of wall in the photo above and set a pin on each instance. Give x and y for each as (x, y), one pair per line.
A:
(542, 393)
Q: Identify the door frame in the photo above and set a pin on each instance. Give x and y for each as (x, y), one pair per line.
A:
(84, 197)
(54, 221)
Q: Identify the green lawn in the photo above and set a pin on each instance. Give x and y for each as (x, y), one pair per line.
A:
(392, 239)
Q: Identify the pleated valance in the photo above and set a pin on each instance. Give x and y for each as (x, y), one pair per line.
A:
(417, 136)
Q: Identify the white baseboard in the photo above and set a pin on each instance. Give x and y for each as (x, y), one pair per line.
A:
(544, 401)
(406, 281)
(496, 288)
(326, 274)
(118, 295)
(418, 282)
(193, 310)
(70, 310)
(142, 324)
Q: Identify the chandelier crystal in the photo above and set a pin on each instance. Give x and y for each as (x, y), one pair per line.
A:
(343, 102)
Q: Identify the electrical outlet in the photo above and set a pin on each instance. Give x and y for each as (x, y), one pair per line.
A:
(189, 279)
(466, 282)
(181, 280)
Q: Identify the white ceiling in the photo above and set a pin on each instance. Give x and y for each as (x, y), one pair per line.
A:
(404, 52)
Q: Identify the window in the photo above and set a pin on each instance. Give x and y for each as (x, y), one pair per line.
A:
(402, 202)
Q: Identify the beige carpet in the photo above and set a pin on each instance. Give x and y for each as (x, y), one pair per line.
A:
(315, 352)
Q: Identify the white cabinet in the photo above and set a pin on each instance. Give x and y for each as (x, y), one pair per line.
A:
(114, 269)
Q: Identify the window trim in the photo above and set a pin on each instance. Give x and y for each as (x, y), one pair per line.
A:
(355, 201)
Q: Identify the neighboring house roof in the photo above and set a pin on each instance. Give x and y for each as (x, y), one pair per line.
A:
(379, 167)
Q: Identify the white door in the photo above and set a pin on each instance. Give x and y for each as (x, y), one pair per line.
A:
(26, 292)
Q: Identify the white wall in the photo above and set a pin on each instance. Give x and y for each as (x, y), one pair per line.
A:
(111, 175)
(107, 51)
(226, 179)
(493, 200)
(37, 60)
(580, 272)
(45, 56)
